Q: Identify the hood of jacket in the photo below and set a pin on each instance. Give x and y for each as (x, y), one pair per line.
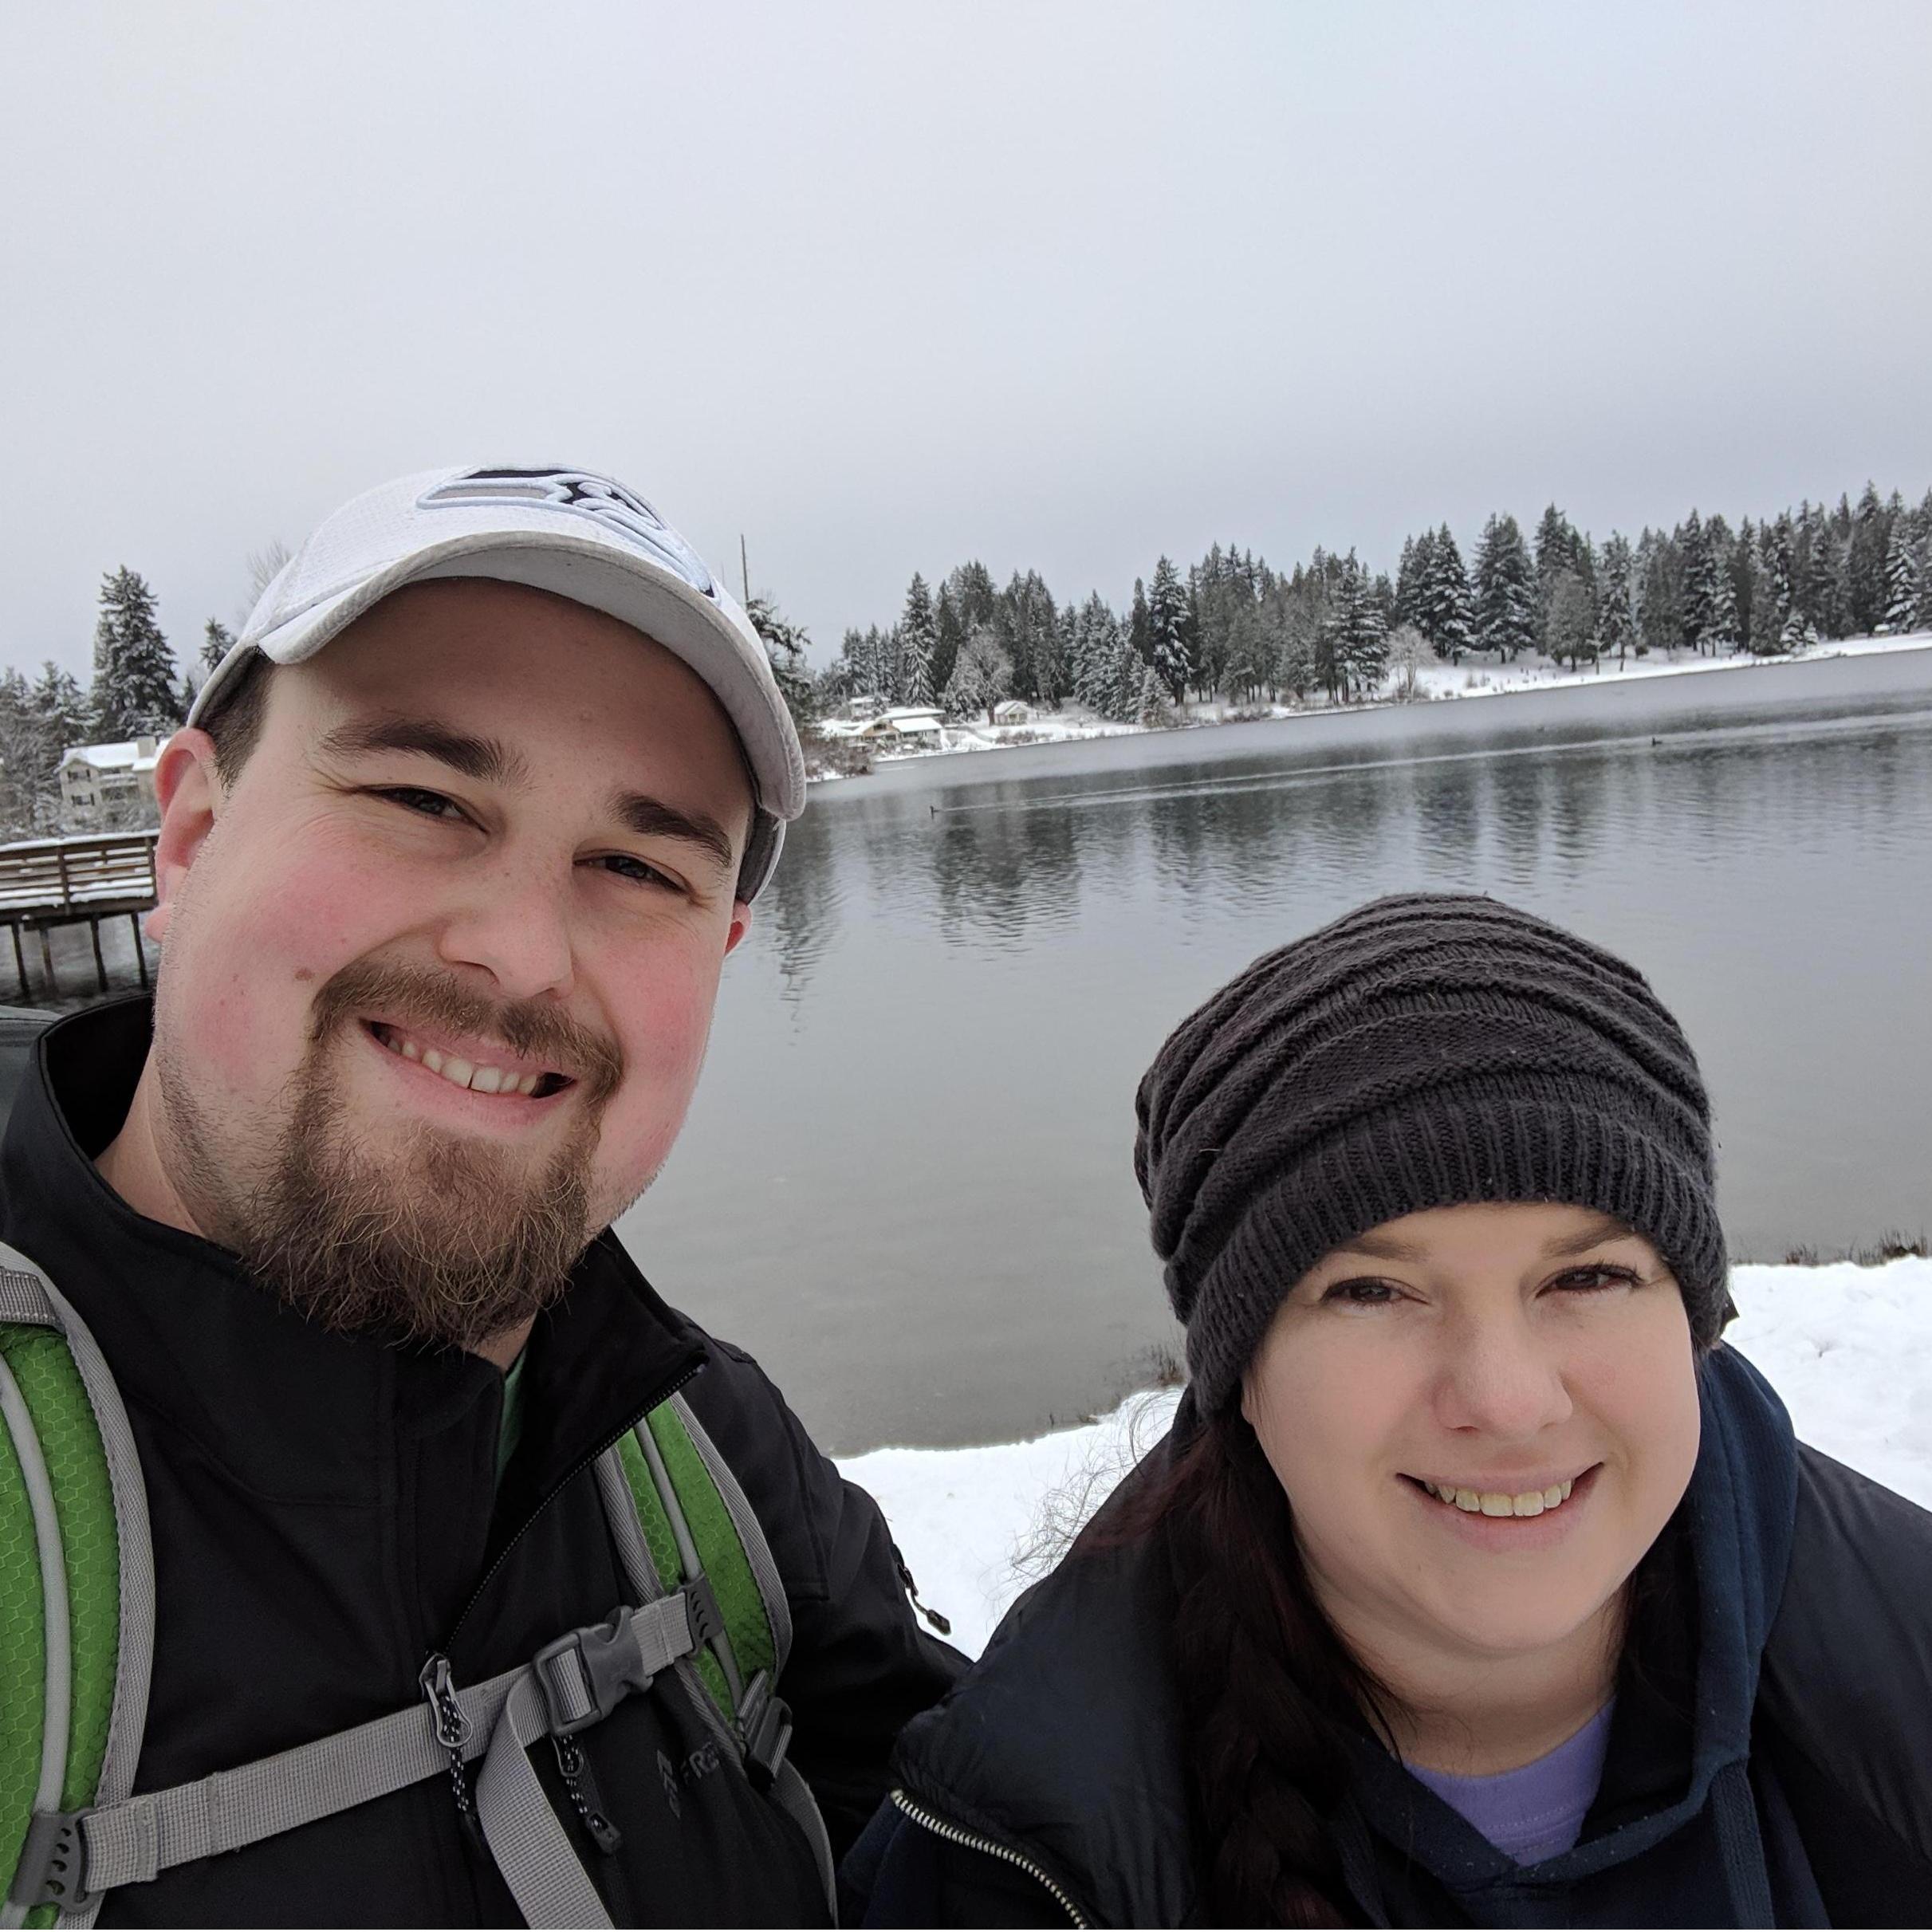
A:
(1066, 1742)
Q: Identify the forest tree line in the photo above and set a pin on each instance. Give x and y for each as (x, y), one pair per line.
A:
(1231, 626)
(1234, 628)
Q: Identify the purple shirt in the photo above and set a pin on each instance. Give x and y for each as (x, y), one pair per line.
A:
(1537, 1810)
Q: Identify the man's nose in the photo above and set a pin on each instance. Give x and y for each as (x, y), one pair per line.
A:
(511, 920)
(1502, 1378)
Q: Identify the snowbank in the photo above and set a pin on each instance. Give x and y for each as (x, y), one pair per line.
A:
(1848, 1348)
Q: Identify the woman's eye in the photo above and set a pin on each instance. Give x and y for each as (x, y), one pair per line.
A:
(1588, 1280)
(1360, 1294)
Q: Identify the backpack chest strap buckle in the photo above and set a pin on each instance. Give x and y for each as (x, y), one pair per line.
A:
(586, 1674)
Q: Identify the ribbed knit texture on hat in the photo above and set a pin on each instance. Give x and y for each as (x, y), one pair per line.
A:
(1422, 1051)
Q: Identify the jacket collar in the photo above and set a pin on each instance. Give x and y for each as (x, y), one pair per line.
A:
(285, 1407)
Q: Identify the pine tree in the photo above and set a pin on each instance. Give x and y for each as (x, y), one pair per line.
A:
(919, 640)
(1412, 577)
(1505, 607)
(217, 641)
(949, 634)
(1358, 641)
(1699, 605)
(1866, 554)
(785, 644)
(134, 670)
(1616, 607)
(1819, 593)
(1901, 579)
(1444, 614)
(1660, 621)
(1167, 627)
(1570, 632)
(1098, 645)
(1558, 549)
(1724, 636)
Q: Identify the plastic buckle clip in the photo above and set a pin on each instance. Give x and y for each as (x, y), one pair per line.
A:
(765, 1729)
(53, 1867)
(586, 1675)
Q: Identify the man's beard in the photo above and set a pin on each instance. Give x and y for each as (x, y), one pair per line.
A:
(443, 1240)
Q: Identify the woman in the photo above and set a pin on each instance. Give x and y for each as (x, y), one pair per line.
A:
(1478, 1582)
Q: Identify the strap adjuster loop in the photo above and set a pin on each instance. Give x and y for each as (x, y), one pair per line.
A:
(53, 1867)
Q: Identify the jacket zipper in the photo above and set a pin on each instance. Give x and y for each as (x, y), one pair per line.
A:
(550, 1496)
(953, 1834)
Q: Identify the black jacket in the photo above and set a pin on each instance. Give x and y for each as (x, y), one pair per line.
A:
(1776, 1770)
(325, 1515)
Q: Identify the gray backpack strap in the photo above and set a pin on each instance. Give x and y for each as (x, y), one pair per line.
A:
(573, 1683)
(27, 1295)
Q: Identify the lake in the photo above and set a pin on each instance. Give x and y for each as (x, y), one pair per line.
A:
(906, 1180)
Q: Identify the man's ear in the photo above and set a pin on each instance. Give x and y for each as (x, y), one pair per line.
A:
(740, 924)
(189, 789)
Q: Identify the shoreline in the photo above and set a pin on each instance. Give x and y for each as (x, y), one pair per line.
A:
(1436, 683)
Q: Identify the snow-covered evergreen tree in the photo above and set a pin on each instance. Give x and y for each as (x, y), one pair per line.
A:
(1901, 579)
(949, 634)
(1167, 626)
(1819, 596)
(1358, 632)
(1569, 634)
(217, 641)
(1446, 615)
(134, 693)
(1099, 646)
(1505, 603)
(919, 640)
(1699, 604)
(785, 644)
(1866, 591)
(1616, 602)
(1723, 635)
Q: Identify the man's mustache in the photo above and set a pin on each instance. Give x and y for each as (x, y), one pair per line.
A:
(528, 1028)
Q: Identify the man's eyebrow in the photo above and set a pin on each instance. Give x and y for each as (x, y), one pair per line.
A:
(650, 818)
(487, 760)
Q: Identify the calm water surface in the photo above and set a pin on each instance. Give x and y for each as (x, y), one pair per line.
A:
(907, 1181)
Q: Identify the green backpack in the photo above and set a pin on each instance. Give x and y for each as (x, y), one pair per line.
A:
(77, 1628)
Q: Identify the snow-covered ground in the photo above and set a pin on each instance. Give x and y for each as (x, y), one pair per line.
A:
(1848, 1348)
(1433, 681)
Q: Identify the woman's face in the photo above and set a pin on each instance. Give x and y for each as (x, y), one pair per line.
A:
(1534, 1361)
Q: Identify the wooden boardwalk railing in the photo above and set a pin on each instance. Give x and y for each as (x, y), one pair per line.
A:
(46, 883)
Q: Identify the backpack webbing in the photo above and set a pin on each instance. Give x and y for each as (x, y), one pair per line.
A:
(721, 1551)
(83, 1503)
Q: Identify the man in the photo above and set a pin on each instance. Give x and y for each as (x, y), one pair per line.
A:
(452, 852)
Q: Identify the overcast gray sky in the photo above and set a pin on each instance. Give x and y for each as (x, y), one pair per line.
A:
(887, 287)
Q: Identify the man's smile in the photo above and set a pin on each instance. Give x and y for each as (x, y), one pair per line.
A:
(481, 1066)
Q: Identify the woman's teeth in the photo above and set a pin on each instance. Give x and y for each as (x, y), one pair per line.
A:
(1494, 1502)
(459, 1072)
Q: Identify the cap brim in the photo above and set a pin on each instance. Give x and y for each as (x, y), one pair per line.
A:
(621, 585)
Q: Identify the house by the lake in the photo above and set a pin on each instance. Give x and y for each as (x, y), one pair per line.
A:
(103, 785)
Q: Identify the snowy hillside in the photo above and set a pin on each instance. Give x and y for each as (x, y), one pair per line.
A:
(1849, 1349)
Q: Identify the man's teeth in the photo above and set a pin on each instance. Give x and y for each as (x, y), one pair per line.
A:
(1494, 1502)
(460, 1072)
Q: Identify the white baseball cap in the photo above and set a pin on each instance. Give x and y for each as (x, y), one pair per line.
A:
(571, 532)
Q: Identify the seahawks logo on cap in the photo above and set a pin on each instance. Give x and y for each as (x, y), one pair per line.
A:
(577, 493)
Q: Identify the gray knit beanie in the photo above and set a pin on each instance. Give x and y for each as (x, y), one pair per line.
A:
(1422, 1051)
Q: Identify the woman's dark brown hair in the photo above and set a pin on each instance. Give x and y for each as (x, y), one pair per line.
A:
(1269, 1689)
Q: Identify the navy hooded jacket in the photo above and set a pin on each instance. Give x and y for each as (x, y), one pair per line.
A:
(1776, 1770)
